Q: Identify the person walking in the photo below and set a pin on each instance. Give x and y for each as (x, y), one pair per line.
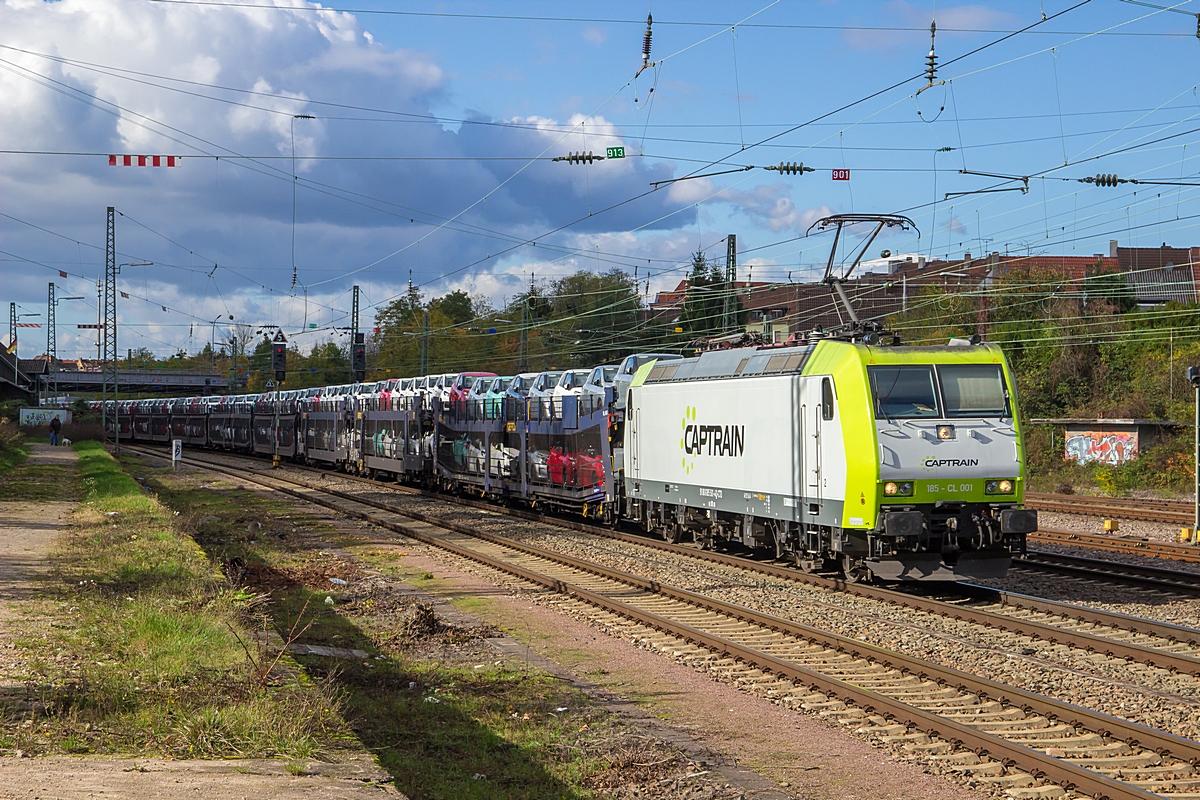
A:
(55, 427)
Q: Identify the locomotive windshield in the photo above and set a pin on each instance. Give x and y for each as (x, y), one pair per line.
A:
(907, 391)
(966, 390)
(974, 390)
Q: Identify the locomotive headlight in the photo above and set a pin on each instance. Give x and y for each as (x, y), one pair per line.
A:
(945, 432)
(890, 488)
(898, 488)
(998, 486)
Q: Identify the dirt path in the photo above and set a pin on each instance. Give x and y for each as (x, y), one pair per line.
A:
(67, 778)
(28, 530)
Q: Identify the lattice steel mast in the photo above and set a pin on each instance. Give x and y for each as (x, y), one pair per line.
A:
(110, 321)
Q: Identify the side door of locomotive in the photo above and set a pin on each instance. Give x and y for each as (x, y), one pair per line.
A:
(810, 438)
(633, 416)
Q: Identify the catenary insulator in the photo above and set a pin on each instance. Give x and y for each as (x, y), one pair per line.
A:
(580, 158)
(646, 40)
(931, 59)
(791, 168)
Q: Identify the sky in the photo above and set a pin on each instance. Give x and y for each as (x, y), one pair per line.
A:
(433, 124)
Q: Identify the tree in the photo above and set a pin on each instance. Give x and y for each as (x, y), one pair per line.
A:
(597, 316)
(457, 306)
(704, 304)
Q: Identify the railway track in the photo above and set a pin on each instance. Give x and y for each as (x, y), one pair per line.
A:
(1120, 544)
(1120, 507)
(1001, 734)
(1151, 642)
(1113, 571)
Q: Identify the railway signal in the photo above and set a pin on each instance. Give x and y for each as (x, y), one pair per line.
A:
(279, 356)
(358, 358)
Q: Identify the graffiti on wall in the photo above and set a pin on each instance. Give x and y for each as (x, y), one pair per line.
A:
(1105, 447)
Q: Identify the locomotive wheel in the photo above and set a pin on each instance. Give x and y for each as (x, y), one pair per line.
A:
(854, 570)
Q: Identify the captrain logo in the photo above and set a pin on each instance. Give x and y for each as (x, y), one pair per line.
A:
(688, 464)
(709, 440)
(934, 463)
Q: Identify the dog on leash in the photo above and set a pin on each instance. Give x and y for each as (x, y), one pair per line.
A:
(66, 442)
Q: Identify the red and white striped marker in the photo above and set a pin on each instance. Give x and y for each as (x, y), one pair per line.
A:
(145, 161)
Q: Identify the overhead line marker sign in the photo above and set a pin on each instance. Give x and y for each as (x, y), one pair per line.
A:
(145, 161)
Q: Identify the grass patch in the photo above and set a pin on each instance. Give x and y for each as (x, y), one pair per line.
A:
(142, 654)
(432, 702)
(11, 457)
(12, 451)
(33, 482)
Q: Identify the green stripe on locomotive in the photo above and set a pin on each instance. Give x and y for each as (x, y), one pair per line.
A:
(848, 363)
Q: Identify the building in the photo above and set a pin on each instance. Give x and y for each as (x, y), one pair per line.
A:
(1106, 441)
(1159, 275)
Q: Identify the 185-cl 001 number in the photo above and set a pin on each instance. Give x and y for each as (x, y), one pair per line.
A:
(949, 488)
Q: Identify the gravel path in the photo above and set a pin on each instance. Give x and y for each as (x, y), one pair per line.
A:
(1134, 528)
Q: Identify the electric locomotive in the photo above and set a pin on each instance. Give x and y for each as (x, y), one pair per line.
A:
(901, 463)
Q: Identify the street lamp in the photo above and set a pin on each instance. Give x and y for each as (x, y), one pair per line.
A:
(212, 343)
(52, 338)
(294, 180)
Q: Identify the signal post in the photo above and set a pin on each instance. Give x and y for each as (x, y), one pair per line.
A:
(279, 365)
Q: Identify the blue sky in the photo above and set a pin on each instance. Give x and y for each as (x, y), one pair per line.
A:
(432, 129)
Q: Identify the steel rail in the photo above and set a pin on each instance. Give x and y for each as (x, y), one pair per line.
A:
(1120, 507)
(1088, 642)
(1150, 627)
(1149, 548)
(1132, 574)
(1061, 772)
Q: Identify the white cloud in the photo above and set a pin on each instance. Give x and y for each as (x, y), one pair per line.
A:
(594, 35)
(772, 204)
(239, 214)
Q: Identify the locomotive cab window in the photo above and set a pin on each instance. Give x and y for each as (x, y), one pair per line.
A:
(974, 390)
(826, 399)
(904, 391)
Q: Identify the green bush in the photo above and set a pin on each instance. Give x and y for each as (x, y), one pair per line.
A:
(12, 440)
